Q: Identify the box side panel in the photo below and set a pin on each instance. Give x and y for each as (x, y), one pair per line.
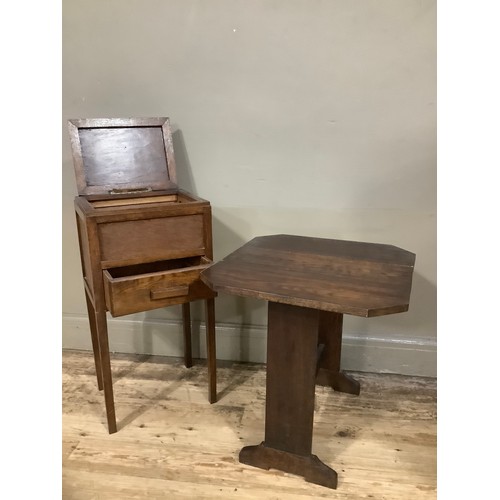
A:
(84, 251)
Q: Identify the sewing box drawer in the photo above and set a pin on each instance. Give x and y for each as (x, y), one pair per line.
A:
(143, 287)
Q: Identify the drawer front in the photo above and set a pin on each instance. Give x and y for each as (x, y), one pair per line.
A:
(149, 240)
(137, 293)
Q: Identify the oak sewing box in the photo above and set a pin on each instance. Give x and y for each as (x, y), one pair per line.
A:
(143, 241)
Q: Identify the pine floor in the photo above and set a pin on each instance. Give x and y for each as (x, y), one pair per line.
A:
(172, 444)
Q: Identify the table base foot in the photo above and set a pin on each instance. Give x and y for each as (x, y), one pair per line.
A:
(338, 381)
(310, 467)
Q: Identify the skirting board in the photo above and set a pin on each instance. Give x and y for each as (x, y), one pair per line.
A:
(248, 343)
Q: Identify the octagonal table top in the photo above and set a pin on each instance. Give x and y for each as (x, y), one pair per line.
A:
(349, 277)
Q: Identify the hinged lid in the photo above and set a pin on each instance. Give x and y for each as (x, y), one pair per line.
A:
(122, 155)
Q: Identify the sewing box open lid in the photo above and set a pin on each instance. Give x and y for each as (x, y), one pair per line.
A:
(122, 156)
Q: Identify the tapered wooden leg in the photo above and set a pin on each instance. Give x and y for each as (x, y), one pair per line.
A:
(186, 323)
(102, 335)
(95, 341)
(290, 390)
(211, 350)
(329, 372)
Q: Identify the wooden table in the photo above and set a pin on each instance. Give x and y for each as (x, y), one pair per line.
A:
(310, 283)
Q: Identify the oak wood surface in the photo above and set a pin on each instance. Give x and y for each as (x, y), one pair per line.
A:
(151, 239)
(135, 201)
(292, 342)
(173, 444)
(328, 367)
(137, 212)
(292, 348)
(133, 154)
(309, 283)
(303, 348)
(131, 213)
(362, 279)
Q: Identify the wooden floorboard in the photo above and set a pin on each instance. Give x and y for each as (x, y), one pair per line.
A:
(172, 443)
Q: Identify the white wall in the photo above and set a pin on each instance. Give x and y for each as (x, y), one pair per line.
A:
(306, 117)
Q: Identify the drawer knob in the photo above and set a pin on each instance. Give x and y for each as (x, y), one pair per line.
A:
(165, 293)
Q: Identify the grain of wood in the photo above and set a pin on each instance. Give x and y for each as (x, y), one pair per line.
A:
(171, 443)
(134, 201)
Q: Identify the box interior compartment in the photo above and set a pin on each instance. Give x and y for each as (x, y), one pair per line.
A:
(157, 267)
(138, 201)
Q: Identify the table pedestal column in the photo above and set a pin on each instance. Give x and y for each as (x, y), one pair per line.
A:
(290, 388)
(330, 337)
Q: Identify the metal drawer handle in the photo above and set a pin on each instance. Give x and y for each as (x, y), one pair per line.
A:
(165, 293)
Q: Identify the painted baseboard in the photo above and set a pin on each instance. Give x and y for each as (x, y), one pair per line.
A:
(416, 356)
